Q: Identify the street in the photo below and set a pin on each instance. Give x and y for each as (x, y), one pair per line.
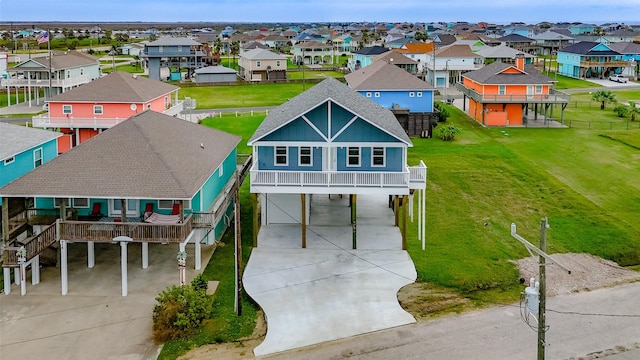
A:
(579, 324)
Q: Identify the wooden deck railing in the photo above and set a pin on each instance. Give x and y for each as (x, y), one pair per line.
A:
(34, 246)
(100, 231)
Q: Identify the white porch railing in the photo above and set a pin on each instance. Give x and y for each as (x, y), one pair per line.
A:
(418, 176)
(329, 178)
(64, 83)
(45, 121)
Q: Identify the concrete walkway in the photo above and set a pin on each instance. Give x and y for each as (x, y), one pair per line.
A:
(328, 291)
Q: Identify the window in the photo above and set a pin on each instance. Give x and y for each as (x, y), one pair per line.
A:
(8, 161)
(282, 157)
(37, 157)
(368, 94)
(419, 93)
(166, 102)
(306, 158)
(278, 63)
(58, 201)
(376, 94)
(538, 89)
(97, 109)
(353, 156)
(148, 106)
(132, 207)
(411, 94)
(81, 71)
(502, 89)
(168, 204)
(160, 49)
(258, 63)
(66, 109)
(179, 49)
(377, 156)
(221, 170)
(80, 203)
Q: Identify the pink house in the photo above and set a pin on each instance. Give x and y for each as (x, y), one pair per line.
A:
(84, 112)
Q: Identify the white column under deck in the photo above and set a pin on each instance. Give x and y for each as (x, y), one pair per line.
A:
(91, 255)
(64, 273)
(7, 280)
(123, 266)
(198, 257)
(35, 270)
(145, 255)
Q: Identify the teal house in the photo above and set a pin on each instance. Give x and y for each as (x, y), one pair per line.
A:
(153, 179)
(588, 59)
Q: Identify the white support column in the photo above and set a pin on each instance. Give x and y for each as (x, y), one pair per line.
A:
(145, 255)
(411, 207)
(123, 266)
(198, 255)
(23, 279)
(64, 276)
(424, 217)
(7, 280)
(91, 255)
(35, 270)
(419, 214)
(16, 275)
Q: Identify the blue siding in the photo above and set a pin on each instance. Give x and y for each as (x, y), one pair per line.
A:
(387, 99)
(154, 51)
(318, 117)
(296, 130)
(266, 159)
(393, 160)
(339, 118)
(24, 161)
(213, 186)
(362, 131)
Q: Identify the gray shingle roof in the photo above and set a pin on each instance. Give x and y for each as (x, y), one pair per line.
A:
(384, 76)
(149, 156)
(174, 41)
(15, 139)
(333, 90)
(118, 87)
(60, 61)
(261, 54)
(501, 51)
(493, 74)
(217, 69)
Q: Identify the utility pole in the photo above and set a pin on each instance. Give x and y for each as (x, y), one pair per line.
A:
(542, 346)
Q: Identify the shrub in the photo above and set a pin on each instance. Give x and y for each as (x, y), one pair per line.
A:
(621, 110)
(179, 312)
(442, 114)
(448, 132)
(200, 283)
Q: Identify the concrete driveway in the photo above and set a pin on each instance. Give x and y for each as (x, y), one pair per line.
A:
(93, 321)
(328, 291)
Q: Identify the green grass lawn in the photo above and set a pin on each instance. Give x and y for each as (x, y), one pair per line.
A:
(565, 82)
(585, 182)
(218, 97)
(310, 74)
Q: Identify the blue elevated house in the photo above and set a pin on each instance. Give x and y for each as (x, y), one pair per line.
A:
(328, 140)
(175, 54)
(153, 179)
(364, 56)
(409, 98)
(587, 59)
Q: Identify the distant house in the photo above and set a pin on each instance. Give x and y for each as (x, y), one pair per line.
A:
(312, 52)
(134, 49)
(587, 59)
(275, 41)
(417, 52)
(504, 54)
(403, 62)
(581, 29)
(84, 112)
(500, 94)
(519, 42)
(631, 53)
(450, 63)
(549, 42)
(409, 98)
(53, 76)
(182, 53)
(215, 74)
(148, 181)
(328, 140)
(262, 65)
(364, 56)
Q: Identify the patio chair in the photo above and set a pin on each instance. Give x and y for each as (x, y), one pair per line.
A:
(96, 212)
(148, 210)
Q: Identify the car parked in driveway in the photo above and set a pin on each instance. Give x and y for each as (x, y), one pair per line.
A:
(618, 78)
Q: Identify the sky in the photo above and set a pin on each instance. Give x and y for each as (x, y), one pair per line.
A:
(274, 11)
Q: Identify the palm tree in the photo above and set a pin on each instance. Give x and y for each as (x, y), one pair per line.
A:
(217, 46)
(633, 110)
(604, 97)
(235, 49)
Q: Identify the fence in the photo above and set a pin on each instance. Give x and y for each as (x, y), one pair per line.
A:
(603, 125)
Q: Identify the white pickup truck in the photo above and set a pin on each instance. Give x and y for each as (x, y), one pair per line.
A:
(618, 78)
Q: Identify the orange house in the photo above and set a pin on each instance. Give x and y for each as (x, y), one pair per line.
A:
(502, 94)
(86, 111)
